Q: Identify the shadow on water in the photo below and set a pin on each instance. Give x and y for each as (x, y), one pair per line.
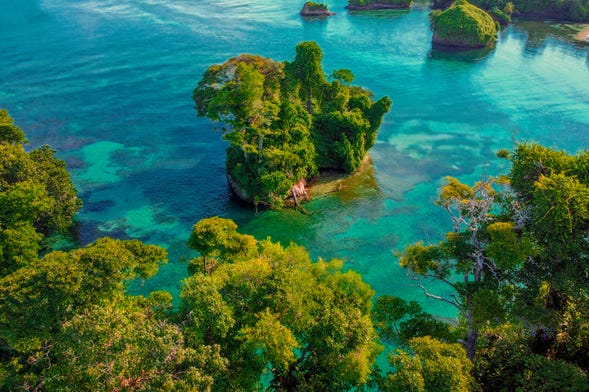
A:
(315, 19)
(458, 54)
(347, 188)
(536, 36)
(380, 14)
(335, 199)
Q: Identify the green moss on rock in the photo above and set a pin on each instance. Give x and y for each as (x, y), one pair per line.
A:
(311, 8)
(463, 25)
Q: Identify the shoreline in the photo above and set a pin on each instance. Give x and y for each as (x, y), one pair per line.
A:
(326, 182)
(330, 181)
(583, 35)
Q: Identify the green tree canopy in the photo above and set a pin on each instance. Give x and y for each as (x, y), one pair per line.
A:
(429, 365)
(307, 323)
(519, 249)
(10, 133)
(463, 25)
(507, 362)
(39, 297)
(37, 197)
(552, 199)
(285, 120)
(307, 69)
(126, 346)
(569, 10)
(399, 321)
(217, 239)
(474, 258)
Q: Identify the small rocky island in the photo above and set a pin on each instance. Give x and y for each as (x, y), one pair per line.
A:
(463, 25)
(285, 122)
(365, 5)
(312, 9)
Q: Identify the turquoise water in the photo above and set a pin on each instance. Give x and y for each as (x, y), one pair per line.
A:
(108, 84)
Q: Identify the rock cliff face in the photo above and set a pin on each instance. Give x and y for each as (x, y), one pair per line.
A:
(463, 25)
(315, 9)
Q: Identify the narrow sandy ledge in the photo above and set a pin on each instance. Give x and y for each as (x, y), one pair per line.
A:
(583, 35)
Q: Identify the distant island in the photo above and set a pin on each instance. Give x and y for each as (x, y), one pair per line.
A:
(569, 10)
(285, 121)
(312, 9)
(363, 5)
(463, 25)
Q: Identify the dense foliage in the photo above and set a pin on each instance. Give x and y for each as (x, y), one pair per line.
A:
(508, 362)
(251, 310)
(568, 10)
(502, 16)
(271, 310)
(463, 25)
(315, 6)
(284, 121)
(254, 315)
(40, 301)
(429, 365)
(573, 10)
(67, 324)
(37, 197)
(517, 261)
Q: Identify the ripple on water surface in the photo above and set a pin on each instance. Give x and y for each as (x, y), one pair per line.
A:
(109, 83)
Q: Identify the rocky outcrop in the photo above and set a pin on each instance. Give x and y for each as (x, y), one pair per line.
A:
(298, 193)
(239, 191)
(315, 9)
(463, 25)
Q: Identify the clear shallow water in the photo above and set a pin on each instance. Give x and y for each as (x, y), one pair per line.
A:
(108, 84)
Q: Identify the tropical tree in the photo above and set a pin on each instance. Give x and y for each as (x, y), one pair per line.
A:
(284, 121)
(306, 324)
(552, 189)
(509, 360)
(399, 321)
(307, 69)
(519, 248)
(37, 197)
(429, 365)
(10, 133)
(129, 345)
(217, 239)
(474, 258)
(39, 298)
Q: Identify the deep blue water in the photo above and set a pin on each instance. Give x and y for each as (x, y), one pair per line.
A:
(108, 84)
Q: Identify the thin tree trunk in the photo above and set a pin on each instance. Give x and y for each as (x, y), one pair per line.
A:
(471, 344)
(472, 336)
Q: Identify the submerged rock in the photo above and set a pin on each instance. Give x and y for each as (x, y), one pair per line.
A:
(315, 9)
(463, 25)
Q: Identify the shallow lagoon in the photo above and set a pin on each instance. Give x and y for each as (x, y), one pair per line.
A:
(108, 84)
